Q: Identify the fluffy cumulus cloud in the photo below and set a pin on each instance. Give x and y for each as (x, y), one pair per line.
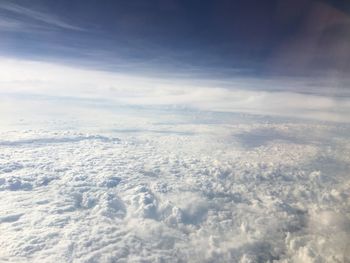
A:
(252, 192)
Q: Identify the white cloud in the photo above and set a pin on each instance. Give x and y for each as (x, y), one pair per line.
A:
(75, 197)
(41, 78)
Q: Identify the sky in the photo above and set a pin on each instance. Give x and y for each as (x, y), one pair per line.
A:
(225, 38)
(249, 56)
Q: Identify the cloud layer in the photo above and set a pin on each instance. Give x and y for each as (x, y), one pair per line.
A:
(205, 197)
(280, 97)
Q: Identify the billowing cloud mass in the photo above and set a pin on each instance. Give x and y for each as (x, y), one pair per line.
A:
(249, 192)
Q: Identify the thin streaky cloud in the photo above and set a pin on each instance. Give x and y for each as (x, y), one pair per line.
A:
(10, 25)
(46, 18)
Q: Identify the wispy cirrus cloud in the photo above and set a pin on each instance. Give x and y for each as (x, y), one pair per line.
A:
(7, 24)
(16, 17)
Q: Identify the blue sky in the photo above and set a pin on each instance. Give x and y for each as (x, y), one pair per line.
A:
(196, 38)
